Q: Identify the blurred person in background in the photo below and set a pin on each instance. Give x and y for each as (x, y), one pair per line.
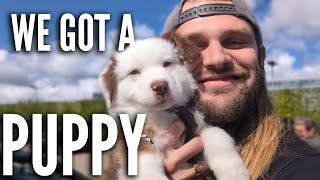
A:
(305, 128)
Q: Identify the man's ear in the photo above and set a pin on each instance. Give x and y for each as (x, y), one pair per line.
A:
(312, 131)
(262, 54)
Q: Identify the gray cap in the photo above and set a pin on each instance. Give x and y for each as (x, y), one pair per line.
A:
(238, 8)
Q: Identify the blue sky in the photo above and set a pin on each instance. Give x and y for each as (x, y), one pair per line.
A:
(290, 28)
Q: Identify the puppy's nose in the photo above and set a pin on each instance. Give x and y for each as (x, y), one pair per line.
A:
(160, 87)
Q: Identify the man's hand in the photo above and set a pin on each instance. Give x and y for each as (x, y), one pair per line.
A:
(175, 162)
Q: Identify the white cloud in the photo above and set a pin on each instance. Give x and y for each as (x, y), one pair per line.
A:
(252, 3)
(289, 23)
(143, 31)
(296, 16)
(285, 68)
(56, 75)
(84, 89)
(13, 94)
(3, 55)
(290, 27)
(284, 65)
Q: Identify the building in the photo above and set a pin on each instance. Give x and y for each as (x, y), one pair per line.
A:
(97, 95)
(295, 83)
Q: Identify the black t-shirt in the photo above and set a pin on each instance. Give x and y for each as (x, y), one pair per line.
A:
(295, 160)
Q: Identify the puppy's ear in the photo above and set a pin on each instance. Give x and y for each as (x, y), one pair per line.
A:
(187, 50)
(108, 82)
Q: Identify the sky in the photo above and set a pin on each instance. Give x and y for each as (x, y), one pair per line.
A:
(290, 28)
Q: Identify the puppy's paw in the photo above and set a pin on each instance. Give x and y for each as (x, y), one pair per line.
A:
(150, 167)
(222, 156)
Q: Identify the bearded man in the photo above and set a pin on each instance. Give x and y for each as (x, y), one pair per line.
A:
(232, 93)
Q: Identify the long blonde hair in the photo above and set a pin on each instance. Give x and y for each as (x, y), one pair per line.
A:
(260, 147)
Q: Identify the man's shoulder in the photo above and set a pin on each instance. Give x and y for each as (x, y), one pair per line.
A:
(316, 139)
(314, 142)
(295, 160)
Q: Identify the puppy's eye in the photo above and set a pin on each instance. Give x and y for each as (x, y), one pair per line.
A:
(167, 63)
(134, 72)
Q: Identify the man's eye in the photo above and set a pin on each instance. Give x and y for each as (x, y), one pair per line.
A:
(235, 44)
(200, 45)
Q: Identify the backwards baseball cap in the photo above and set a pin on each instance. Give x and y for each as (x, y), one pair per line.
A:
(238, 8)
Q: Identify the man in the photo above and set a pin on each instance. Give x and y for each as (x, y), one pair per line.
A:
(305, 129)
(232, 93)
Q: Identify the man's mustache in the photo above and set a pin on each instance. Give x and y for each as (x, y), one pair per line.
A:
(240, 72)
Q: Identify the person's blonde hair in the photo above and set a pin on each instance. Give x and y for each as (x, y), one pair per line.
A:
(260, 147)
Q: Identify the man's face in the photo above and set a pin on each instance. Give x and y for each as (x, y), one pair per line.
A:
(228, 70)
(302, 132)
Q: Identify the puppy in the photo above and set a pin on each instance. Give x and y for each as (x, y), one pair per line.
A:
(151, 77)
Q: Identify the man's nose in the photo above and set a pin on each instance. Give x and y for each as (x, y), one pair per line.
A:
(215, 56)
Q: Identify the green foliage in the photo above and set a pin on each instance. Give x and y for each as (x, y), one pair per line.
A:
(287, 103)
(290, 103)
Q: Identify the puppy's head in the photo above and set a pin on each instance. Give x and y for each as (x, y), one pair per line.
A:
(150, 75)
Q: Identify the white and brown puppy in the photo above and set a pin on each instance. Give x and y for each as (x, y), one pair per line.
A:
(151, 77)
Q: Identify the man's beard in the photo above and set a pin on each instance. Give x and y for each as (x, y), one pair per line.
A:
(239, 113)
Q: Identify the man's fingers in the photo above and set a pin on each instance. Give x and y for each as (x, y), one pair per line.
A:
(184, 153)
(191, 172)
(176, 164)
(188, 172)
(190, 149)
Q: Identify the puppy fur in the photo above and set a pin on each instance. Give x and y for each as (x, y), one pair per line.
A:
(151, 77)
